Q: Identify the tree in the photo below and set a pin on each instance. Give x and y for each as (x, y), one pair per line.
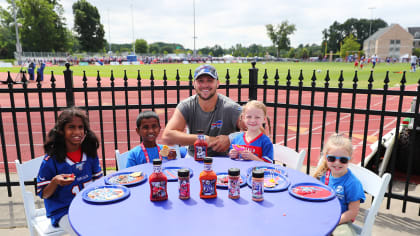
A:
(7, 35)
(43, 28)
(279, 35)
(87, 24)
(141, 46)
(336, 33)
(350, 44)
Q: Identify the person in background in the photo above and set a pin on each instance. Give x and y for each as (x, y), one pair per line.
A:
(208, 111)
(70, 163)
(334, 172)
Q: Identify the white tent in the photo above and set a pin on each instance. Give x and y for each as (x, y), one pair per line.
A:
(405, 58)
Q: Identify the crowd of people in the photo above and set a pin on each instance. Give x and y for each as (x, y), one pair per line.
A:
(71, 159)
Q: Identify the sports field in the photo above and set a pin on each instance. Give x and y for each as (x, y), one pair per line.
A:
(395, 72)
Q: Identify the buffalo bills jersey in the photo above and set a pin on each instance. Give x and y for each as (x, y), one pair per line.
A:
(261, 146)
(85, 171)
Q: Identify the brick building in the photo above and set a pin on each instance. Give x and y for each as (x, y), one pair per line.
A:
(415, 31)
(391, 41)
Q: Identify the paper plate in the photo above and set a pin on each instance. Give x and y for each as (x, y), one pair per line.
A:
(312, 191)
(126, 178)
(278, 169)
(171, 172)
(105, 194)
(273, 181)
(222, 180)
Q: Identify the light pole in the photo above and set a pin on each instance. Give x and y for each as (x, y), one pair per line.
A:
(194, 37)
(18, 46)
(370, 25)
(132, 27)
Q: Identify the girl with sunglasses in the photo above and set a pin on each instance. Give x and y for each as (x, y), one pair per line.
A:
(334, 172)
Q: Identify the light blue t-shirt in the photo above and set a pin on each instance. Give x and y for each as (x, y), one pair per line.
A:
(136, 155)
(347, 188)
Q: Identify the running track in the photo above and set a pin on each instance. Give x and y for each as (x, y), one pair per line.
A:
(108, 123)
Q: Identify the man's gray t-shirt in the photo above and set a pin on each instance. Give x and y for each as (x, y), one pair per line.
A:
(221, 121)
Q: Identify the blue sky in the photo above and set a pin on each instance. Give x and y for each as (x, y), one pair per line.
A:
(227, 22)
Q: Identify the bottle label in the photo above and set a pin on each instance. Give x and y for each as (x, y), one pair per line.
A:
(233, 186)
(208, 187)
(257, 189)
(184, 188)
(157, 169)
(201, 152)
(207, 167)
(158, 189)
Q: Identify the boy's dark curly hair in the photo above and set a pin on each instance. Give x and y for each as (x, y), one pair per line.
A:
(55, 145)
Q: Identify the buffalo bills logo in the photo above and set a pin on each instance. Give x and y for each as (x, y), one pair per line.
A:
(218, 124)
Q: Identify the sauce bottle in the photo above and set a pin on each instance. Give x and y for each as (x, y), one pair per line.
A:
(234, 184)
(184, 183)
(208, 179)
(158, 182)
(200, 147)
(258, 185)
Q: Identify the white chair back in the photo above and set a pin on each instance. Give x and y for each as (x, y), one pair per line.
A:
(121, 159)
(288, 156)
(375, 186)
(36, 219)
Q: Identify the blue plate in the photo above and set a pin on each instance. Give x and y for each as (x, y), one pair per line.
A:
(171, 172)
(105, 194)
(220, 184)
(278, 169)
(125, 178)
(312, 191)
(282, 182)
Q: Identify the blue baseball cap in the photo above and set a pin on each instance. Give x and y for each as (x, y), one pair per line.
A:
(205, 70)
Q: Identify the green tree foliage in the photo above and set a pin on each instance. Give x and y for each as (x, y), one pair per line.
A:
(350, 44)
(43, 28)
(279, 35)
(141, 46)
(160, 47)
(87, 24)
(416, 51)
(7, 35)
(336, 33)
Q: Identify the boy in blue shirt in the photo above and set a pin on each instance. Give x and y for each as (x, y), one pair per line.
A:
(148, 128)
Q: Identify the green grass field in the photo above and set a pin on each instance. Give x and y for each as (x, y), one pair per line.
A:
(307, 68)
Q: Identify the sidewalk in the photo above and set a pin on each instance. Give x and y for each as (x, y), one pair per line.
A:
(390, 222)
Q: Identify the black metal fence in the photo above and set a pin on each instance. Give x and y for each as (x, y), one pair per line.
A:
(303, 116)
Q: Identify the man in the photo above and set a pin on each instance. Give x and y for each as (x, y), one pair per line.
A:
(208, 111)
(413, 63)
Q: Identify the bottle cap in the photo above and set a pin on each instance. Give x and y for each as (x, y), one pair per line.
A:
(183, 172)
(208, 160)
(258, 173)
(234, 171)
(199, 131)
(157, 161)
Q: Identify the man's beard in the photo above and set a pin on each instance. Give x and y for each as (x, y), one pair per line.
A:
(205, 99)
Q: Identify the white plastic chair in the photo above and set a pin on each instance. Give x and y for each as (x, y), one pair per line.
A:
(288, 156)
(121, 159)
(35, 218)
(375, 186)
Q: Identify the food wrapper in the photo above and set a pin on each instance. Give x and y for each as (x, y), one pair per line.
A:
(165, 151)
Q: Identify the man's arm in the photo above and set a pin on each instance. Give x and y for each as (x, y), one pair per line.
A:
(174, 131)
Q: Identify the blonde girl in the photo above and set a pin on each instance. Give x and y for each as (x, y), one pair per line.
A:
(334, 172)
(252, 144)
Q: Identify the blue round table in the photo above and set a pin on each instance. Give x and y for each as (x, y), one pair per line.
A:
(279, 213)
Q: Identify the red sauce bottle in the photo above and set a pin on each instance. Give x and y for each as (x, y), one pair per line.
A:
(208, 179)
(200, 147)
(158, 182)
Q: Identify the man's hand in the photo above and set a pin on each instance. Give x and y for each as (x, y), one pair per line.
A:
(219, 143)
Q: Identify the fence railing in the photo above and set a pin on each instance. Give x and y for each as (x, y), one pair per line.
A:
(303, 116)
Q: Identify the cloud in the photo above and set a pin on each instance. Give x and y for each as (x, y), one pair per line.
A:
(227, 23)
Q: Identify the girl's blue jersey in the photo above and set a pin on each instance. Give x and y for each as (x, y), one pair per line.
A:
(85, 171)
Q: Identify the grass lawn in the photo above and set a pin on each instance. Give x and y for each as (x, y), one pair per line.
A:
(321, 68)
